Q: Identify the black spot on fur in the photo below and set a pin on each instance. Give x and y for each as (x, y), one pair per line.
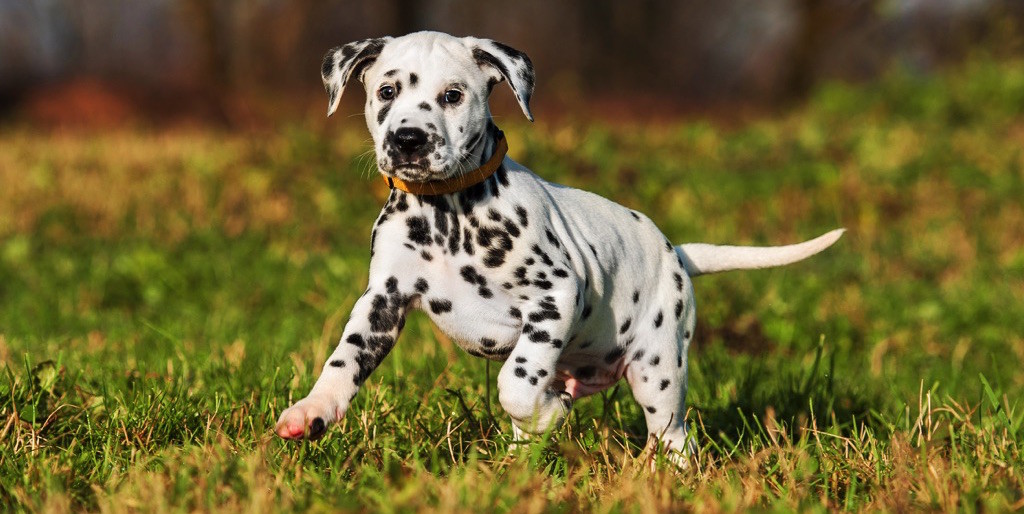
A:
(542, 373)
(652, 410)
(533, 380)
(382, 114)
(614, 356)
(421, 285)
(542, 254)
(495, 257)
(467, 241)
(413, 79)
(383, 317)
(520, 371)
(338, 363)
(441, 221)
(686, 335)
(625, 326)
(658, 319)
(469, 274)
(638, 355)
(426, 256)
(635, 215)
(440, 306)
(511, 228)
(636, 296)
(419, 230)
(679, 281)
(484, 58)
(391, 284)
(327, 66)
(515, 312)
(679, 308)
(655, 360)
(560, 273)
(540, 336)
(489, 343)
(552, 239)
(521, 359)
(521, 214)
(538, 317)
(664, 385)
(377, 347)
(356, 340)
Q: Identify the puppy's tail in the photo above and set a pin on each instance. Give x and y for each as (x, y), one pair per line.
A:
(702, 258)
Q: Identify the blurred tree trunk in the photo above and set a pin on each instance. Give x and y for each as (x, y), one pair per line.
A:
(818, 23)
(211, 31)
(408, 16)
(624, 36)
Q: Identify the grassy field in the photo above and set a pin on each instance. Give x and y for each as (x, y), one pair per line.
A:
(164, 295)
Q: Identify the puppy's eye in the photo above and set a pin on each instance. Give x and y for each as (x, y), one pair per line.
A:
(386, 92)
(452, 96)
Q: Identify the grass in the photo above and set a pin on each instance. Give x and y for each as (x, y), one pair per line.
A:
(164, 295)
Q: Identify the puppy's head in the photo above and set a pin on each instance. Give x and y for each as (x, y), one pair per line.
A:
(426, 97)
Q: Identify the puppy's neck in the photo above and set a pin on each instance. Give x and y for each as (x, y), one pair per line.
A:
(481, 149)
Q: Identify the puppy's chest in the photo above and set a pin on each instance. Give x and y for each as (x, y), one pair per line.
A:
(464, 267)
(480, 317)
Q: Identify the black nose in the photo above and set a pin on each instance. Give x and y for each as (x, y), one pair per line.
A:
(410, 140)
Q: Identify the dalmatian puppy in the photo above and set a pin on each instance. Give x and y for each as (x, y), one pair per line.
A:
(571, 291)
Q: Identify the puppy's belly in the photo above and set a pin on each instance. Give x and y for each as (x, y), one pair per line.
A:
(585, 373)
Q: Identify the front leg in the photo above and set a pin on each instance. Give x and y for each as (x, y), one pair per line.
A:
(371, 332)
(527, 383)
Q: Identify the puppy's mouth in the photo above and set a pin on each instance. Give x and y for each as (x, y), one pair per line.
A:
(415, 171)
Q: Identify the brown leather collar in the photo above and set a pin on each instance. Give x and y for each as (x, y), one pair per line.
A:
(454, 184)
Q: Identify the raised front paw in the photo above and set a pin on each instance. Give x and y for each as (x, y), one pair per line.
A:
(308, 418)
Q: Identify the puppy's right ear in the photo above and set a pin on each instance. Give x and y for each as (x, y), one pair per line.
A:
(343, 62)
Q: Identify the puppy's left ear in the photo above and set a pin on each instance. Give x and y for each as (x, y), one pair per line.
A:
(343, 62)
(503, 62)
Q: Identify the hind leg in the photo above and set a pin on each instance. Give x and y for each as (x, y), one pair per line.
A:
(657, 375)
